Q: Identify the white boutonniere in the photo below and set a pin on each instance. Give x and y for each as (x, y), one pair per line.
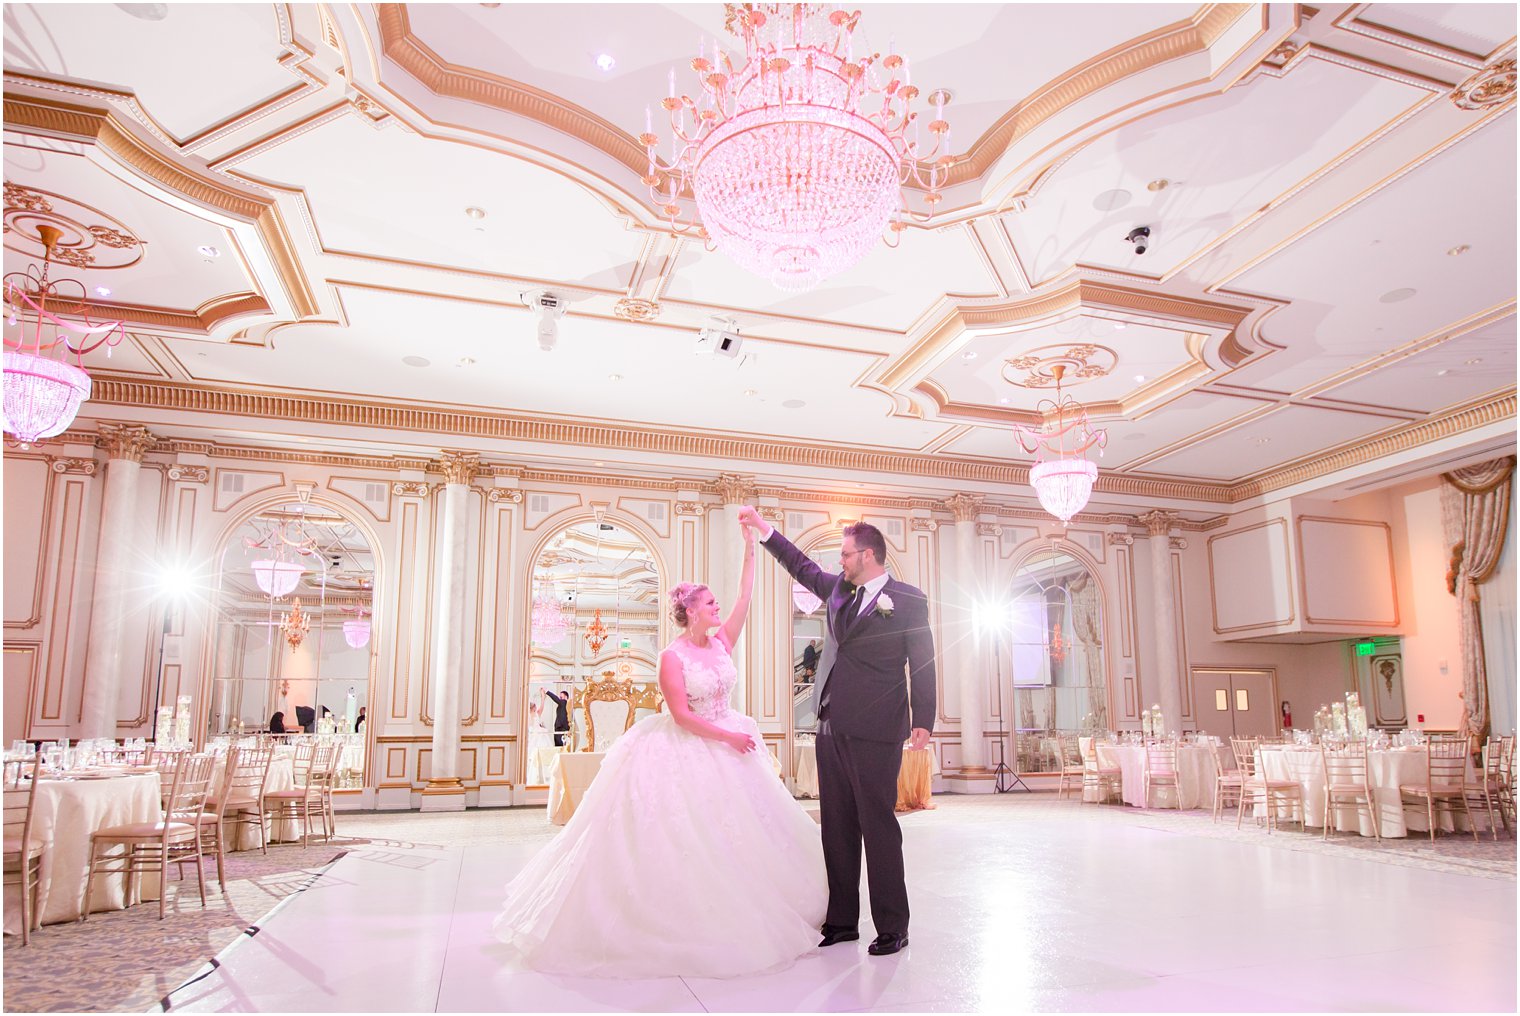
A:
(884, 605)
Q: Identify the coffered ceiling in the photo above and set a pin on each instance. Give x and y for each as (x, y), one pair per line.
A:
(1329, 289)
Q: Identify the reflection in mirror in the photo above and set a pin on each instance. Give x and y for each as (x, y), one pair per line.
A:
(1055, 646)
(601, 581)
(294, 630)
(809, 627)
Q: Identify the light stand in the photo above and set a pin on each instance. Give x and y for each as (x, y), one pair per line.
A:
(1007, 779)
(158, 672)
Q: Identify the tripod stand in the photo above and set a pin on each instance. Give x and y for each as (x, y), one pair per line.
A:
(1007, 779)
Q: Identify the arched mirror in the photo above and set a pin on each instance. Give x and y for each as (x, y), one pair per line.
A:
(295, 631)
(595, 623)
(1053, 656)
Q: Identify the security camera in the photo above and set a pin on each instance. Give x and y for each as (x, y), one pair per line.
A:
(1140, 236)
(549, 308)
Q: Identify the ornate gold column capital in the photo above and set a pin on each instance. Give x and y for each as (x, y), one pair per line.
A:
(735, 488)
(125, 441)
(459, 467)
(965, 507)
(1158, 522)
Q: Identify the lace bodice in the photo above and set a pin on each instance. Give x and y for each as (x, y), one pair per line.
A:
(709, 675)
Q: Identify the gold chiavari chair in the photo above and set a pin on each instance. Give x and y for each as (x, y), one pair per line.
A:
(1507, 781)
(23, 852)
(153, 846)
(1346, 782)
(326, 780)
(312, 761)
(1227, 781)
(1108, 781)
(1161, 771)
(1073, 768)
(1255, 788)
(1445, 786)
(1490, 788)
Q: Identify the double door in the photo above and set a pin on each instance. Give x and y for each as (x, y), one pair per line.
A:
(1235, 703)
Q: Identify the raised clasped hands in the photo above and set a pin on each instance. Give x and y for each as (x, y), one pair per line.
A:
(750, 519)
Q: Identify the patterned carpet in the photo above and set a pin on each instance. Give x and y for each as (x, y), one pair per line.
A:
(66, 969)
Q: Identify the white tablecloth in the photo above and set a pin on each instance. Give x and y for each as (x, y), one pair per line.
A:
(1197, 769)
(805, 754)
(1385, 771)
(66, 813)
(569, 777)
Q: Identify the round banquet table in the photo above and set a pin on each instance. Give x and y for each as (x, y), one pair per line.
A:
(67, 811)
(915, 780)
(1386, 770)
(1197, 768)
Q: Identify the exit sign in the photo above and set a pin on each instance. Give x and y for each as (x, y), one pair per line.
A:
(1366, 648)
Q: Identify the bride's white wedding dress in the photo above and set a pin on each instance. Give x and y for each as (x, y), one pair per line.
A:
(685, 857)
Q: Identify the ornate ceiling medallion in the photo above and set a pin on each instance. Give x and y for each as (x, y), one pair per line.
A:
(1492, 86)
(1038, 368)
(86, 238)
(632, 308)
(797, 157)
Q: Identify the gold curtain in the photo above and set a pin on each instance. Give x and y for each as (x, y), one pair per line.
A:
(1474, 515)
(1088, 631)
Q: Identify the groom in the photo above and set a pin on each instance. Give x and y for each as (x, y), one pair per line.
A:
(879, 654)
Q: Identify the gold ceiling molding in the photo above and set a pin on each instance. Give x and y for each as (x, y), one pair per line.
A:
(28, 114)
(1480, 413)
(472, 85)
(1492, 86)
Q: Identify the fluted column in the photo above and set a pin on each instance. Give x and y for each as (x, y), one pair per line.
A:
(444, 792)
(725, 560)
(961, 650)
(124, 446)
(1164, 617)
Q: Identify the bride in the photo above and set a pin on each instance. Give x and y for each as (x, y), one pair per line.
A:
(687, 856)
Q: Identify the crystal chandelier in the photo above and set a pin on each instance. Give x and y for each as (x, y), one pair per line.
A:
(596, 632)
(295, 625)
(276, 578)
(43, 394)
(1057, 644)
(1062, 474)
(798, 158)
(548, 619)
(356, 632)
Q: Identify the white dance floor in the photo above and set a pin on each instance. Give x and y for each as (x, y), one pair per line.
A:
(1018, 905)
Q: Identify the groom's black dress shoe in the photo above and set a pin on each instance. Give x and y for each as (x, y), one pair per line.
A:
(833, 934)
(887, 944)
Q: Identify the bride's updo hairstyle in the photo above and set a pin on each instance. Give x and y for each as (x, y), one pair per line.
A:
(682, 597)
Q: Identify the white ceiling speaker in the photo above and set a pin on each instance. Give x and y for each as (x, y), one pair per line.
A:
(548, 308)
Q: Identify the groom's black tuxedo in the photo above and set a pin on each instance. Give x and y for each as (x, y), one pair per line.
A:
(876, 666)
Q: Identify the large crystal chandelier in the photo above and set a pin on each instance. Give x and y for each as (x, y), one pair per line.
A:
(295, 625)
(1062, 474)
(596, 633)
(548, 619)
(797, 159)
(43, 393)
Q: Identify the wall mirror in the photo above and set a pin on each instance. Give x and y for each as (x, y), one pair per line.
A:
(809, 628)
(294, 640)
(1051, 656)
(596, 616)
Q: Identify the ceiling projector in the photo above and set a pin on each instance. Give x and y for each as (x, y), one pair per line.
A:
(718, 342)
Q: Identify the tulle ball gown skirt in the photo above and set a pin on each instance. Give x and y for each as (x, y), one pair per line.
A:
(684, 858)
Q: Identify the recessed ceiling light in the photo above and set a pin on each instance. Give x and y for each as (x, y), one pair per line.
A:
(465, 361)
(598, 464)
(416, 361)
(614, 377)
(793, 404)
(969, 354)
(1397, 295)
(208, 251)
(750, 392)
(102, 292)
(1003, 401)
(1140, 379)
(1458, 250)
(1158, 185)
(606, 61)
(1474, 360)
(1261, 440)
(475, 212)
(1443, 372)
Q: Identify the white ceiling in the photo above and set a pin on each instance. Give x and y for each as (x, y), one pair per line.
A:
(1298, 295)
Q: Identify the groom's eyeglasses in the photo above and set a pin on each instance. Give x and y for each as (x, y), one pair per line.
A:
(849, 553)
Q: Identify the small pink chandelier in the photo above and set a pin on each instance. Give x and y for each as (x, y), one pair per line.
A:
(43, 394)
(356, 632)
(797, 159)
(276, 578)
(548, 620)
(1062, 474)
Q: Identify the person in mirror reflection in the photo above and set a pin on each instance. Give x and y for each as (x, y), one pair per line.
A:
(686, 856)
(359, 721)
(277, 723)
(561, 701)
(810, 660)
(875, 683)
